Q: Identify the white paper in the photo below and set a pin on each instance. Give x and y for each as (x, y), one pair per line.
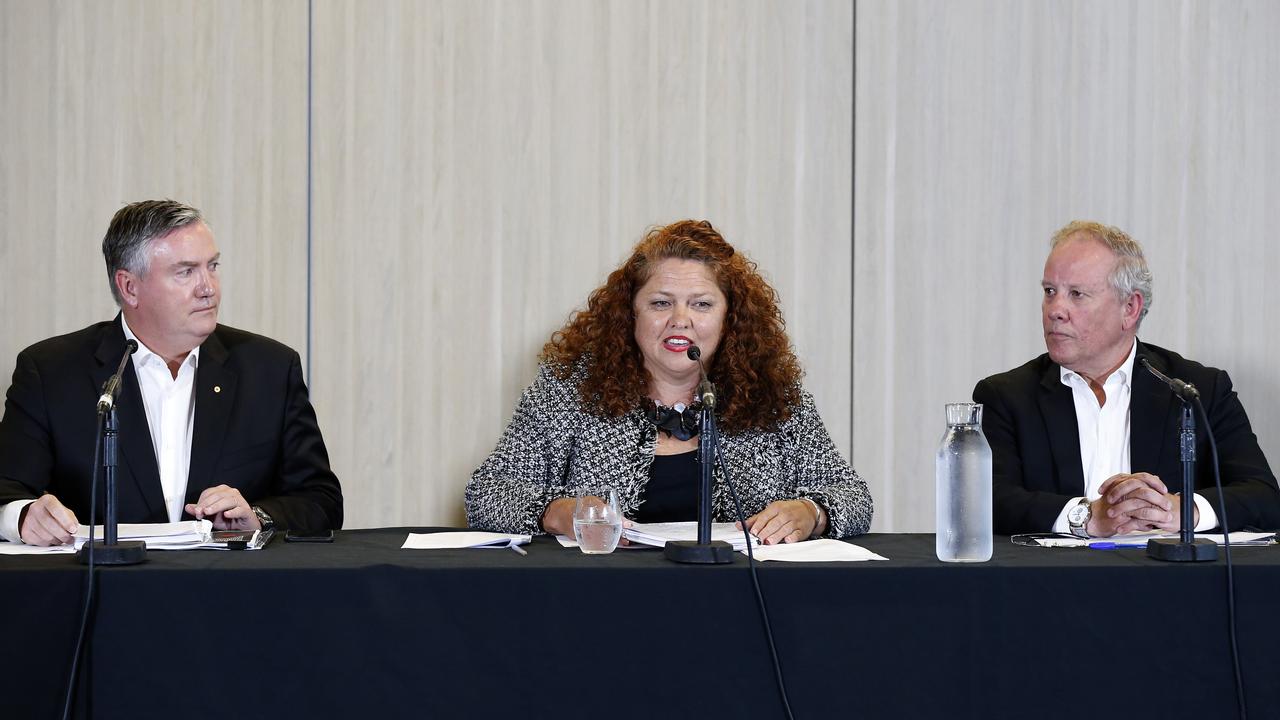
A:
(145, 531)
(658, 534)
(465, 539)
(185, 535)
(823, 550)
(12, 548)
(566, 541)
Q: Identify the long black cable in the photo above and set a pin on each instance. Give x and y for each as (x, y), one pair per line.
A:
(1226, 550)
(755, 581)
(88, 591)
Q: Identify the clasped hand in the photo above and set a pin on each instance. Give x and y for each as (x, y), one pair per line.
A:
(1134, 502)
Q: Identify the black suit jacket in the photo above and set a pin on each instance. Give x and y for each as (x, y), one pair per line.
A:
(255, 429)
(1029, 419)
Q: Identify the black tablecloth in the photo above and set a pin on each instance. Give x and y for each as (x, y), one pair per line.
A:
(361, 628)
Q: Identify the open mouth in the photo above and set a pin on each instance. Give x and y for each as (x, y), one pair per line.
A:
(677, 343)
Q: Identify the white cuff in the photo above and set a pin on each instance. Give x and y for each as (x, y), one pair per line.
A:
(9, 516)
(1208, 518)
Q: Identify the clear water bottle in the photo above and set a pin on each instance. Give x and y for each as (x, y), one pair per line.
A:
(963, 475)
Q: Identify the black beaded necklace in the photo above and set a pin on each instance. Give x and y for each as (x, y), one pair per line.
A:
(679, 421)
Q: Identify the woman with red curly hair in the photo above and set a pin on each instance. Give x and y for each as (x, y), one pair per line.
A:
(613, 406)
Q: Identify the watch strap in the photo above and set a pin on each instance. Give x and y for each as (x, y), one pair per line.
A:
(263, 517)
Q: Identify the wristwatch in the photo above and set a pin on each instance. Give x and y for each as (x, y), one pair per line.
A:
(263, 517)
(1078, 517)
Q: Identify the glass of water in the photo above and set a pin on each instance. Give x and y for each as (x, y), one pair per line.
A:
(597, 523)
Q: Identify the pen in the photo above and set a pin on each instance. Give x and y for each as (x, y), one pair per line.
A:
(1113, 546)
(518, 549)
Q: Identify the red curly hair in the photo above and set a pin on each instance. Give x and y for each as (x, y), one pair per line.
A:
(754, 369)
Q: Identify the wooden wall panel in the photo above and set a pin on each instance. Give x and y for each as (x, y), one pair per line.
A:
(105, 103)
(480, 167)
(984, 126)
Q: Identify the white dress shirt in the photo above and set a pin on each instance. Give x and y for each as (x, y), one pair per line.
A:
(171, 413)
(1104, 437)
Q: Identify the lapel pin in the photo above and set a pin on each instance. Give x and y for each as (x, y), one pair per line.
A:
(217, 388)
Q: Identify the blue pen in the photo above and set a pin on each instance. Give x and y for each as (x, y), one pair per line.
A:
(1112, 546)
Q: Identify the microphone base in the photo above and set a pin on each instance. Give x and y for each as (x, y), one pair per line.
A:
(716, 552)
(1169, 550)
(121, 553)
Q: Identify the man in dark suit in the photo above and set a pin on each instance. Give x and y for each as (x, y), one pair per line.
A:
(1085, 439)
(214, 422)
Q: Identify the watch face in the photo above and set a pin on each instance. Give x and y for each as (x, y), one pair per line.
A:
(1078, 515)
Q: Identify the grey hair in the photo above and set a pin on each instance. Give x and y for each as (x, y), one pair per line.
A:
(1130, 274)
(134, 228)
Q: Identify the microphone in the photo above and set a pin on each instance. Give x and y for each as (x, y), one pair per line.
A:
(706, 390)
(1184, 390)
(704, 551)
(107, 400)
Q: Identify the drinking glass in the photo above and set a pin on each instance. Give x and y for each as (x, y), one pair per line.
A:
(597, 523)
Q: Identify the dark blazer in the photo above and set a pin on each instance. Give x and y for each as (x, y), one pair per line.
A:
(1029, 419)
(255, 429)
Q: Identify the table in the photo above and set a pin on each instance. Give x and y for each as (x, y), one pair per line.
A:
(360, 628)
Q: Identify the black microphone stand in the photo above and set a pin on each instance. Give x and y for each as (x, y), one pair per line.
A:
(1187, 548)
(704, 551)
(110, 551)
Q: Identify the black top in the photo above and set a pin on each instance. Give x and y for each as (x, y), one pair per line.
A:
(672, 492)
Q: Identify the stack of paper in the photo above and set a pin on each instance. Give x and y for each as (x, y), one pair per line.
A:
(187, 535)
(467, 539)
(659, 534)
(158, 536)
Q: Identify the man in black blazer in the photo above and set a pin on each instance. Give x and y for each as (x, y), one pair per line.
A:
(1084, 439)
(214, 422)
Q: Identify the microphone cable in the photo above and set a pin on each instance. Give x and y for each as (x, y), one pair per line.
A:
(88, 592)
(755, 581)
(695, 354)
(1226, 550)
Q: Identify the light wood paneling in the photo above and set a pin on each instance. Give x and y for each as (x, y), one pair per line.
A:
(104, 103)
(982, 127)
(481, 165)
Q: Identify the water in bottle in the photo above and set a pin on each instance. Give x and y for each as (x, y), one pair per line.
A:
(963, 474)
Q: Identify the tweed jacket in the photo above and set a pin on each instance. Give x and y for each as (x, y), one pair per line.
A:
(553, 448)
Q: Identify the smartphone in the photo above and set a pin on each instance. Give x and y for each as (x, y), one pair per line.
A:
(295, 536)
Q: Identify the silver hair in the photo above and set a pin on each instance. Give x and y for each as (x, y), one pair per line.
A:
(134, 228)
(1130, 274)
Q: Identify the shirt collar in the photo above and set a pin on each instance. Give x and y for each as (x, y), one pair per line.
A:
(145, 356)
(1121, 376)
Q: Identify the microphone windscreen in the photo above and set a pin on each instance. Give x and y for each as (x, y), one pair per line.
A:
(694, 353)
